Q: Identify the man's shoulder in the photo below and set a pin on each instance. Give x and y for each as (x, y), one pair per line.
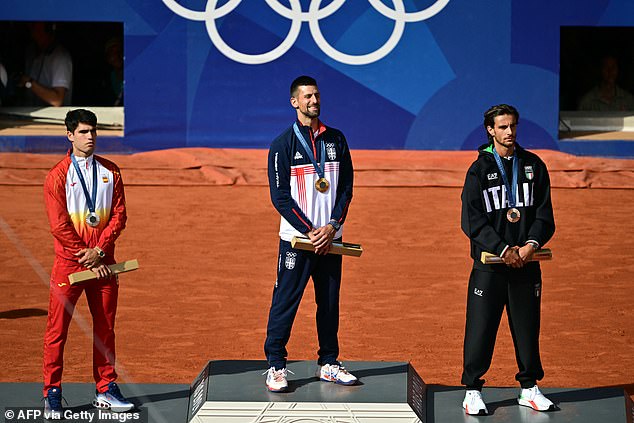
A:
(108, 164)
(56, 176)
(484, 158)
(333, 133)
(286, 136)
(480, 167)
(529, 156)
(60, 167)
(60, 52)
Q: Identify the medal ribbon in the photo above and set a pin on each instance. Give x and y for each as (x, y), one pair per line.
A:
(90, 201)
(511, 193)
(319, 168)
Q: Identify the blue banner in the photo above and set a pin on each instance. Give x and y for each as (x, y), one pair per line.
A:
(399, 74)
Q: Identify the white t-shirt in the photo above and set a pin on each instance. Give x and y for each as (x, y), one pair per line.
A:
(3, 76)
(51, 69)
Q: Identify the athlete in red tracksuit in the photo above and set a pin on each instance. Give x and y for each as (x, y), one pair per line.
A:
(85, 228)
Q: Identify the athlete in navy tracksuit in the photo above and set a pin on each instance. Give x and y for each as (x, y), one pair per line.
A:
(512, 225)
(307, 211)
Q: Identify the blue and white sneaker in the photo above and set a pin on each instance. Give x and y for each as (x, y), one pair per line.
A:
(336, 373)
(112, 400)
(53, 404)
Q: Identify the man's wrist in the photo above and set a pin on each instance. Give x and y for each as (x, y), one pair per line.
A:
(533, 244)
(336, 225)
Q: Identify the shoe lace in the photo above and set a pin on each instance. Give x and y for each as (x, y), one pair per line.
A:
(338, 368)
(278, 375)
(113, 389)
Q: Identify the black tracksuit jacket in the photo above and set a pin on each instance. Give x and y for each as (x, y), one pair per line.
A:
(485, 204)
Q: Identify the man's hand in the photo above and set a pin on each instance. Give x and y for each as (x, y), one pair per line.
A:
(526, 252)
(51, 95)
(102, 271)
(512, 257)
(322, 239)
(89, 257)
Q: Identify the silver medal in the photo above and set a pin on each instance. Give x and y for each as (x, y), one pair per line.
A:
(93, 219)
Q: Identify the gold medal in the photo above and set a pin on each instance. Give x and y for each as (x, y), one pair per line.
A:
(513, 215)
(322, 185)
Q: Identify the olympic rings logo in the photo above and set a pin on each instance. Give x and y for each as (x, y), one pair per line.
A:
(313, 16)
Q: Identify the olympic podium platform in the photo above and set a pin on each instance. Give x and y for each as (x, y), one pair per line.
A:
(232, 391)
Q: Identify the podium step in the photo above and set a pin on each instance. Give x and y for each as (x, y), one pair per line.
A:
(234, 391)
(229, 391)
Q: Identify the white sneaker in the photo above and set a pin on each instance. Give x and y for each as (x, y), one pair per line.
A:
(276, 380)
(112, 400)
(336, 373)
(534, 399)
(474, 404)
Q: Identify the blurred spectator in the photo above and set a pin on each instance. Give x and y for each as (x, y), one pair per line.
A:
(48, 69)
(114, 84)
(4, 80)
(607, 96)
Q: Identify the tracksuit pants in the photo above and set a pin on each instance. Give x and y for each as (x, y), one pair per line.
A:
(102, 297)
(294, 269)
(519, 290)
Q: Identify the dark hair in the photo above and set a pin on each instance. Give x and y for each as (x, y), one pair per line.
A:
(499, 110)
(302, 80)
(77, 116)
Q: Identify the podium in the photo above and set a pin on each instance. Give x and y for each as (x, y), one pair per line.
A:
(233, 391)
(229, 391)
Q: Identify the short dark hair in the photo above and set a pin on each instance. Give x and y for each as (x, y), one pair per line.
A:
(302, 80)
(77, 116)
(498, 110)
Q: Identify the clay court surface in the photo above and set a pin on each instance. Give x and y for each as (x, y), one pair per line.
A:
(205, 233)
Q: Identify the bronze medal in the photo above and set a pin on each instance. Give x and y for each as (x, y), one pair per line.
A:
(513, 215)
(322, 185)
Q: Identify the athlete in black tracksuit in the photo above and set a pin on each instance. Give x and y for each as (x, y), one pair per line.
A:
(492, 287)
